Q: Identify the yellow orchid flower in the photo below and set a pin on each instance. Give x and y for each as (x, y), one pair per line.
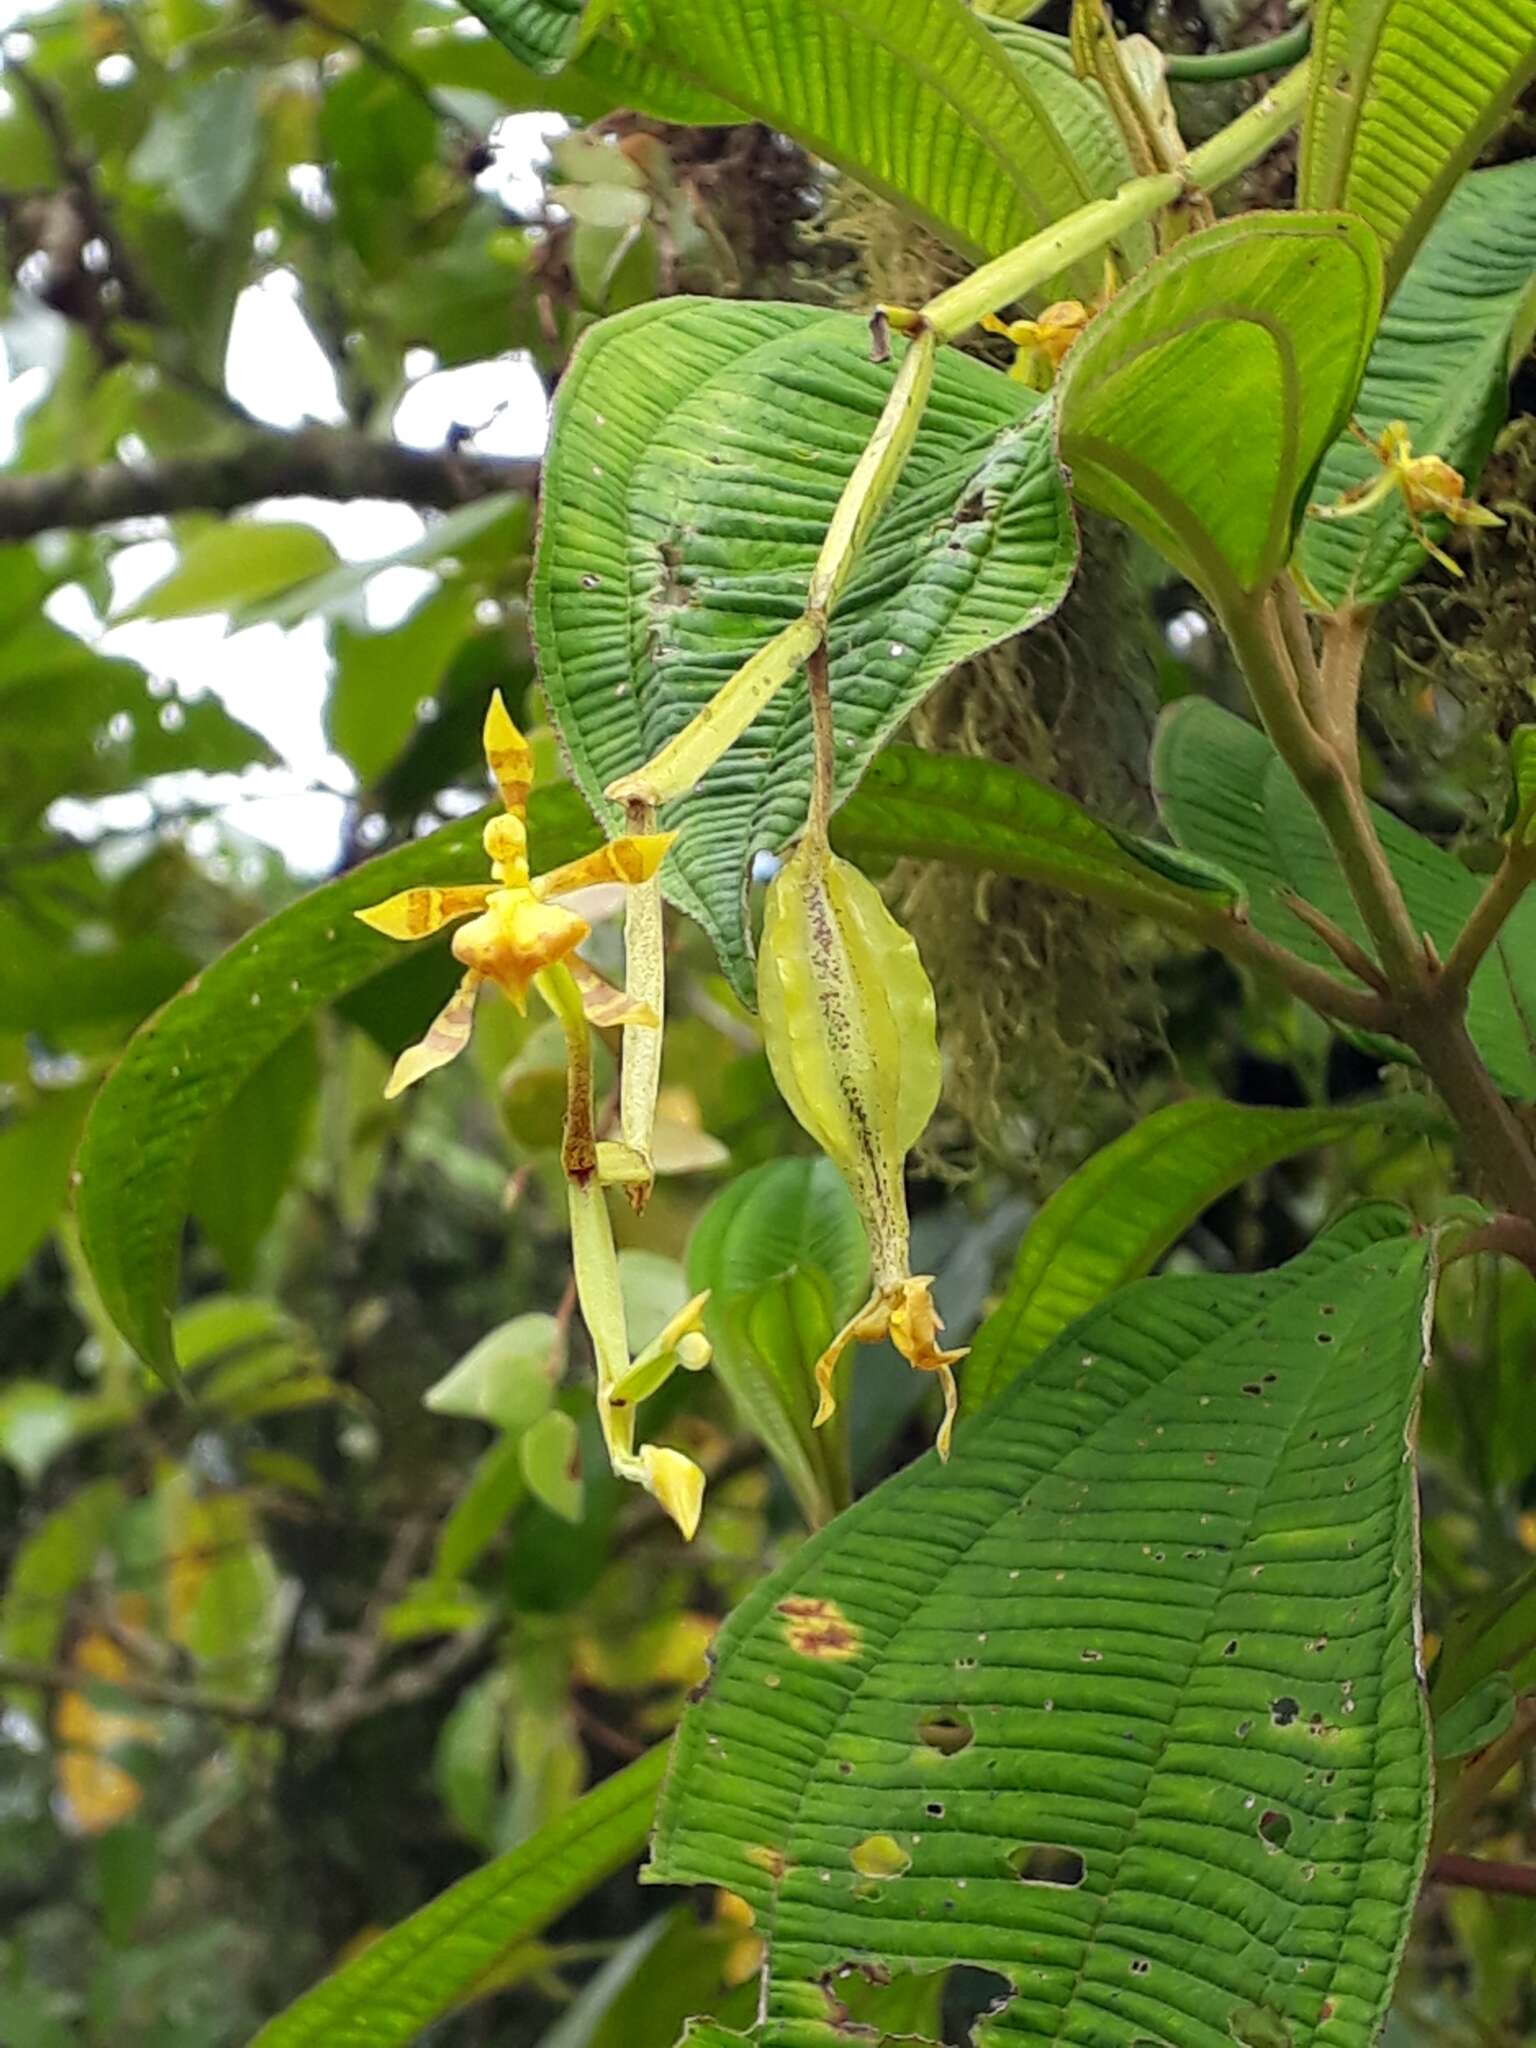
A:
(517, 936)
(1427, 484)
(515, 931)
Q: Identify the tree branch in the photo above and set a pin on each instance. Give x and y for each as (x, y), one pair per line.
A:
(316, 462)
(331, 1715)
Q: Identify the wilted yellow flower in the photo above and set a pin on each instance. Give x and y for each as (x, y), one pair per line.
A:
(1427, 484)
(849, 1027)
(517, 931)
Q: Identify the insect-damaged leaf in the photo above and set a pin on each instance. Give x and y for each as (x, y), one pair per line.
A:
(1199, 402)
(1130, 1680)
(699, 451)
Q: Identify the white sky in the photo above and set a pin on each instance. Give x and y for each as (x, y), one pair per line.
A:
(272, 679)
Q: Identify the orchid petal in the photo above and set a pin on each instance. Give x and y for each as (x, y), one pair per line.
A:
(446, 1037)
(508, 756)
(631, 859)
(417, 913)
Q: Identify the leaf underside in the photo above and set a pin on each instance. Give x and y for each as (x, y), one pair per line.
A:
(698, 454)
(1224, 793)
(1125, 1692)
(1404, 94)
(1198, 404)
(1441, 364)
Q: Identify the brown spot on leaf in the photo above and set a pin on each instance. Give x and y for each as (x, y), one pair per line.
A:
(819, 1628)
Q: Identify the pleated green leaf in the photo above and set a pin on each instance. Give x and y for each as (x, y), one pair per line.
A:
(134, 1173)
(1121, 1702)
(1128, 1205)
(698, 453)
(1456, 328)
(1198, 404)
(543, 34)
(976, 813)
(1225, 794)
(430, 1963)
(1404, 95)
(594, 73)
(912, 97)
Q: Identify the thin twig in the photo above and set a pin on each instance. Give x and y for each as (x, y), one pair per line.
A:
(1339, 943)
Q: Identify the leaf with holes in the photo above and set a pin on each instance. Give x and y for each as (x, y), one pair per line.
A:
(1225, 794)
(1198, 404)
(135, 1170)
(1129, 1683)
(699, 449)
(1404, 94)
(912, 97)
(1457, 327)
(1132, 1202)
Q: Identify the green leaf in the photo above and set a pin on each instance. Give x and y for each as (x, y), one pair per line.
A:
(912, 97)
(784, 1256)
(37, 1421)
(481, 1511)
(1135, 1667)
(603, 77)
(1403, 97)
(980, 814)
(1441, 363)
(550, 1453)
(224, 1589)
(54, 1560)
(152, 1115)
(429, 1963)
(1493, 1634)
(509, 1378)
(1225, 794)
(466, 1764)
(234, 563)
(381, 680)
(699, 450)
(543, 34)
(1198, 404)
(1479, 1717)
(250, 1152)
(1128, 1205)
(497, 522)
(203, 149)
(35, 1150)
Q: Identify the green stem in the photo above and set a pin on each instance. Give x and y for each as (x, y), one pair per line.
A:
(1023, 269)
(875, 475)
(1221, 65)
(645, 979)
(695, 750)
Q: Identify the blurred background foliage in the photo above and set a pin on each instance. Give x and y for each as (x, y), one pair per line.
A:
(285, 1654)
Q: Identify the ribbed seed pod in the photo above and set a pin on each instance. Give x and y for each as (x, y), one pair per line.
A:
(849, 1026)
(848, 1022)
